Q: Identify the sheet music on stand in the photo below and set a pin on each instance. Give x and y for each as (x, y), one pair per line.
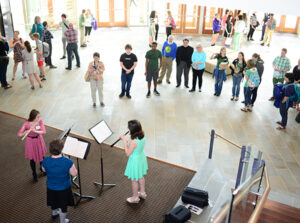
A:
(100, 131)
(76, 148)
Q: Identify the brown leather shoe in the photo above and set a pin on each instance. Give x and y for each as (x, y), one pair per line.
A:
(7, 87)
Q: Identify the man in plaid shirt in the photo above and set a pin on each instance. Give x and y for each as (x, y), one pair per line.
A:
(281, 65)
(47, 36)
(72, 39)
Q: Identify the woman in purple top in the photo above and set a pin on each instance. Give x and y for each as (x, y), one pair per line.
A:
(216, 29)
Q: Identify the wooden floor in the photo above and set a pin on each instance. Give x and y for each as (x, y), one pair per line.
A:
(176, 123)
(276, 212)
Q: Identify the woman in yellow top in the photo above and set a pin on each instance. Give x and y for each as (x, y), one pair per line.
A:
(137, 165)
(95, 70)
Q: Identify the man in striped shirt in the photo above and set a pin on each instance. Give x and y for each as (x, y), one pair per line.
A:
(72, 40)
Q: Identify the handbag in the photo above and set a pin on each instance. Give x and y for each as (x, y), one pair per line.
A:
(195, 197)
(31, 34)
(228, 41)
(87, 77)
(179, 214)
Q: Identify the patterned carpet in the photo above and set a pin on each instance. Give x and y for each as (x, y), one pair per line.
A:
(22, 200)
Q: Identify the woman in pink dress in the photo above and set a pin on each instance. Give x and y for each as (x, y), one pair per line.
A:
(35, 148)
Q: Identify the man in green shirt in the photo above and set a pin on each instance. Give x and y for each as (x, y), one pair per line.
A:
(152, 68)
(81, 28)
(281, 65)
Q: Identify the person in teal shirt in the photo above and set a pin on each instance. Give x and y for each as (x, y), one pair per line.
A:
(137, 165)
(198, 65)
(37, 27)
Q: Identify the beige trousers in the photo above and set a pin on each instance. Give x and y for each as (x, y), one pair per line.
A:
(166, 66)
(96, 85)
(81, 30)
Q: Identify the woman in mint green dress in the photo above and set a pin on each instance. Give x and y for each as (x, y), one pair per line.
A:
(137, 165)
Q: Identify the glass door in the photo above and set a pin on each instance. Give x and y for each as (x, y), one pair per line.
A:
(186, 17)
(111, 13)
(287, 23)
(191, 18)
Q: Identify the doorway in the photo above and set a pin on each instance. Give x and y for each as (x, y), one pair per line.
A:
(112, 13)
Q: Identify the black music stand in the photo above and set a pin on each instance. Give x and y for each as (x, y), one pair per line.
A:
(65, 133)
(101, 132)
(78, 148)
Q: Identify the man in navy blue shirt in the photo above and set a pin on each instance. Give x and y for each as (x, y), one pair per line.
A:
(288, 91)
(169, 50)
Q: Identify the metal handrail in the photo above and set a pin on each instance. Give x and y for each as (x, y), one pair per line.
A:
(258, 209)
(227, 140)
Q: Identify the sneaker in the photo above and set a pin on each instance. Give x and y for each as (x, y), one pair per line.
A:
(63, 57)
(94, 105)
(102, 104)
(128, 96)
(121, 95)
(67, 220)
(156, 93)
(148, 94)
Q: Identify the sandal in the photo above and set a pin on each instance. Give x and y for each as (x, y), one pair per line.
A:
(133, 200)
(13, 79)
(41, 86)
(32, 88)
(142, 195)
(280, 127)
(244, 109)
(249, 109)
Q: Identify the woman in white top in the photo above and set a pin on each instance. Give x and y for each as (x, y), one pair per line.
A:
(238, 33)
(30, 69)
(88, 25)
(151, 28)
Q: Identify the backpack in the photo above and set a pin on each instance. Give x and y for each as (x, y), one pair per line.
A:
(278, 94)
(254, 80)
(46, 50)
(173, 24)
(296, 97)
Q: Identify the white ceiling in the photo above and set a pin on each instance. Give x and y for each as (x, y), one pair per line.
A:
(282, 7)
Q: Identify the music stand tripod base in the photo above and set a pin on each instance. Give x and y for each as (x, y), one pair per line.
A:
(103, 185)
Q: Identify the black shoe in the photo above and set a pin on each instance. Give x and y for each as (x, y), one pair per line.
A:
(262, 44)
(169, 82)
(78, 66)
(102, 104)
(218, 95)
(187, 86)
(156, 92)
(213, 44)
(35, 178)
(252, 39)
(192, 90)
(63, 57)
(199, 90)
(243, 102)
(121, 95)
(128, 96)
(178, 85)
(94, 105)
(83, 45)
(215, 94)
(72, 57)
(53, 67)
(148, 94)
(42, 77)
(67, 68)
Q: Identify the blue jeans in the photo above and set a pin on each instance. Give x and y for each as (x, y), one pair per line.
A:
(236, 82)
(283, 109)
(126, 82)
(72, 47)
(219, 84)
(247, 93)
